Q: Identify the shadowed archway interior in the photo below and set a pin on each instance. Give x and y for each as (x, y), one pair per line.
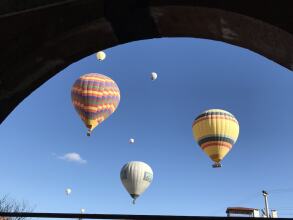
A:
(40, 38)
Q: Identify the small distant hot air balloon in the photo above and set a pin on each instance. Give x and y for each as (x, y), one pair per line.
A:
(131, 141)
(215, 131)
(136, 176)
(101, 55)
(154, 76)
(95, 97)
(82, 211)
(68, 191)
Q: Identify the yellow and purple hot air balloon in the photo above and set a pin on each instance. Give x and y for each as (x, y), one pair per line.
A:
(95, 97)
(215, 131)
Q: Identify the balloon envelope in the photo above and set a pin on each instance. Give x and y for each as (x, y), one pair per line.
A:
(215, 131)
(95, 97)
(101, 55)
(68, 191)
(131, 141)
(136, 176)
(154, 76)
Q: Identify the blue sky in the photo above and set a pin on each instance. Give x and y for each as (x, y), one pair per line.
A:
(193, 75)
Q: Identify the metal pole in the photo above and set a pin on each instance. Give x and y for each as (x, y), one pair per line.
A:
(265, 194)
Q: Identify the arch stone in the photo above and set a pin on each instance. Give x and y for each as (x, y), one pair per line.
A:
(39, 38)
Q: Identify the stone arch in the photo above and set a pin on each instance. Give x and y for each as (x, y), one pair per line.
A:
(43, 37)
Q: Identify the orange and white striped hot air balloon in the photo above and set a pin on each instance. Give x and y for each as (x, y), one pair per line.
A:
(215, 131)
(95, 97)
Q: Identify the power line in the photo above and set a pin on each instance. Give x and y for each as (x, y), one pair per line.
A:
(284, 208)
(281, 190)
(255, 195)
(249, 198)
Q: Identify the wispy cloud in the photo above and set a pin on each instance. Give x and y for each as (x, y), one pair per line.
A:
(72, 157)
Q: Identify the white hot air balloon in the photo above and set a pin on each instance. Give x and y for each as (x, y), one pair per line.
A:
(136, 176)
(131, 141)
(68, 191)
(154, 76)
(101, 55)
(82, 211)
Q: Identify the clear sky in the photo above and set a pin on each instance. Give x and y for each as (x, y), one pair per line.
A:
(193, 75)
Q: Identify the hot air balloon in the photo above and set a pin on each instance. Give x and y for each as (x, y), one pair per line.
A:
(68, 191)
(95, 97)
(154, 76)
(136, 177)
(82, 211)
(131, 141)
(215, 131)
(101, 55)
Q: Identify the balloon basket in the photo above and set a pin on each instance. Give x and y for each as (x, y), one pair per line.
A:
(217, 165)
(88, 133)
